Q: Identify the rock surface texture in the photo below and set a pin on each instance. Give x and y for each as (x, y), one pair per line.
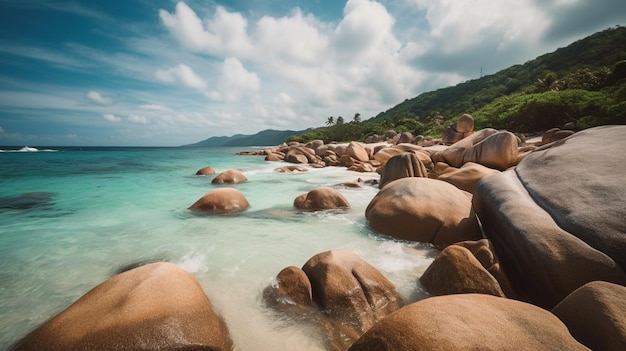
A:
(159, 306)
(423, 210)
(596, 315)
(554, 226)
(338, 291)
(468, 322)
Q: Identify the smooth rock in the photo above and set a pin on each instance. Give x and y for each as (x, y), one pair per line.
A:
(231, 176)
(402, 166)
(319, 199)
(208, 170)
(596, 315)
(423, 210)
(457, 271)
(220, 201)
(468, 322)
(159, 306)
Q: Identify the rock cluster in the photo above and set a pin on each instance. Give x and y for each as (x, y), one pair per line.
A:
(532, 238)
(341, 293)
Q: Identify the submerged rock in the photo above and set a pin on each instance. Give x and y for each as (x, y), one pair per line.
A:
(208, 170)
(220, 201)
(158, 306)
(231, 176)
(319, 199)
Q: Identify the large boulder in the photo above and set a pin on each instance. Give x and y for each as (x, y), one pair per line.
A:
(357, 152)
(423, 210)
(596, 315)
(468, 322)
(487, 147)
(231, 176)
(402, 166)
(220, 201)
(351, 295)
(158, 306)
(457, 271)
(555, 227)
(319, 199)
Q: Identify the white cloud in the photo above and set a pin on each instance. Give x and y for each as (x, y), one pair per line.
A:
(365, 28)
(294, 38)
(153, 107)
(137, 119)
(71, 136)
(181, 74)
(97, 98)
(236, 81)
(225, 33)
(457, 25)
(111, 118)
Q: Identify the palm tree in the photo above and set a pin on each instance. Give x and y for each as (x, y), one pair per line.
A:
(356, 118)
(339, 120)
(330, 121)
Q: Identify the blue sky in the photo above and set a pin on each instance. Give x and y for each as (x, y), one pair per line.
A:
(167, 73)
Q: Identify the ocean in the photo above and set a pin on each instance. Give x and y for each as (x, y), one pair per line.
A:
(71, 218)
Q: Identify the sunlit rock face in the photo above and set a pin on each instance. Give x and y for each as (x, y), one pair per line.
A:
(557, 220)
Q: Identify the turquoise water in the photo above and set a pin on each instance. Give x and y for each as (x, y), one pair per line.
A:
(89, 212)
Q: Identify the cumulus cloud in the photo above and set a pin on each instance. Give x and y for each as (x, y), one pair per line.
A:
(71, 136)
(224, 34)
(137, 119)
(294, 38)
(182, 75)
(236, 81)
(111, 118)
(97, 98)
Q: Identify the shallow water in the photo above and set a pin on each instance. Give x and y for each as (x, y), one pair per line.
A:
(84, 214)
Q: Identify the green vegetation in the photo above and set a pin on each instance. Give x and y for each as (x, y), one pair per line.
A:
(584, 83)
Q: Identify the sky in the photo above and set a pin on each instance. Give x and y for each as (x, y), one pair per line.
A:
(169, 73)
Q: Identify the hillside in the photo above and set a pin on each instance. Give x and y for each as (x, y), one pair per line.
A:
(584, 83)
(263, 138)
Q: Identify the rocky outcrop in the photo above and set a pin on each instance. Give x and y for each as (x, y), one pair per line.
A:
(402, 166)
(487, 147)
(423, 210)
(468, 322)
(154, 307)
(319, 199)
(458, 130)
(208, 170)
(596, 315)
(221, 201)
(554, 227)
(348, 294)
(231, 176)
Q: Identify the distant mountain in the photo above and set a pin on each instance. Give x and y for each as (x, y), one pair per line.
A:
(268, 137)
